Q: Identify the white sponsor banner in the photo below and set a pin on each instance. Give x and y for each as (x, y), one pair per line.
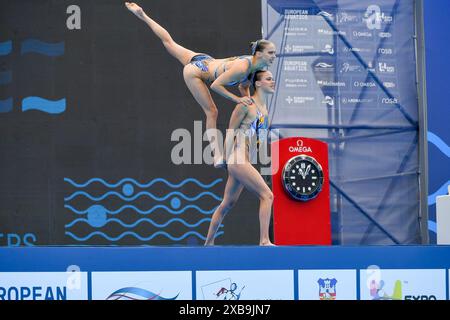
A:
(402, 284)
(43, 286)
(327, 284)
(245, 285)
(146, 285)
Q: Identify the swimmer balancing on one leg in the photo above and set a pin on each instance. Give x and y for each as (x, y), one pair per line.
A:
(201, 70)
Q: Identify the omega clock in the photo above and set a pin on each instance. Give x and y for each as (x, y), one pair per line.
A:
(302, 178)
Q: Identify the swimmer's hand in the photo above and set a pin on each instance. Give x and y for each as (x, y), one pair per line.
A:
(247, 101)
(134, 8)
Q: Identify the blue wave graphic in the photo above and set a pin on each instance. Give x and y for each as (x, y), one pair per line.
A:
(45, 48)
(6, 105)
(432, 226)
(142, 221)
(174, 212)
(5, 48)
(5, 77)
(439, 143)
(440, 192)
(144, 294)
(143, 193)
(36, 103)
(162, 233)
(127, 180)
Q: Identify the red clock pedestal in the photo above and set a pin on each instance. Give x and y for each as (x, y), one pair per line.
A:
(300, 222)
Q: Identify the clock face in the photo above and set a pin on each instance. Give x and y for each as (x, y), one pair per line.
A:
(302, 178)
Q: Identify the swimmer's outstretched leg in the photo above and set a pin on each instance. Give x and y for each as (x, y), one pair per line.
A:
(180, 53)
(194, 83)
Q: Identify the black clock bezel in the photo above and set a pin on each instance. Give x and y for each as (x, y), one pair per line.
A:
(297, 195)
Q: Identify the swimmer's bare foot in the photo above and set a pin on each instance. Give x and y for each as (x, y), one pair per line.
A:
(134, 8)
(220, 163)
(267, 244)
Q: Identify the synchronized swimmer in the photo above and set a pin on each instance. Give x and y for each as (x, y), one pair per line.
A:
(202, 70)
(246, 130)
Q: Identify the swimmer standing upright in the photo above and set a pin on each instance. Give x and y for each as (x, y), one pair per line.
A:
(246, 130)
